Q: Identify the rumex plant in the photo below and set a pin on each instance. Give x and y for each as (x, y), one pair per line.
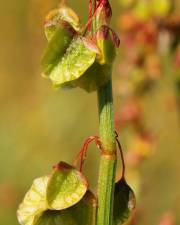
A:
(81, 57)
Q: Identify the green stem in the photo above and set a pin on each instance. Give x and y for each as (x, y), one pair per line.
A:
(108, 158)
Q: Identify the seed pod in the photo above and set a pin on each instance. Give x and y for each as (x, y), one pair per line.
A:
(84, 213)
(124, 202)
(61, 25)
(79, 56)
(66, 187)
(54, 17)
(57, 46)
(95, 77)
(34, 202)
(72, 60)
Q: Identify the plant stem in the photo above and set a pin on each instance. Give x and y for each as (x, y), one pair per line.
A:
(108, 157)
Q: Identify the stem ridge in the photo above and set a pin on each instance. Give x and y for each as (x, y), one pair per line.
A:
(107, 168)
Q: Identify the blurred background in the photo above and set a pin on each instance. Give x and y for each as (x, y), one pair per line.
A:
(40, 126)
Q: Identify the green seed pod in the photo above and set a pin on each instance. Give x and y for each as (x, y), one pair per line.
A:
(34, 203)
(84, 213)
(72, 60)
(57, 46)
(96, 76)
(80, 55)
(61, 25)
(66, 187)
(124, 202)
(100, 71)
(64, 13)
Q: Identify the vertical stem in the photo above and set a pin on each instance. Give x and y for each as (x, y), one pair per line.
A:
(108, 158)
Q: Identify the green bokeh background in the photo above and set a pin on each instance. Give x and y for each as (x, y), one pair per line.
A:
(40, 126)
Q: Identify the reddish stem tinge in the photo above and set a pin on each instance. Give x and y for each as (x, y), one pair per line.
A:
(82, 154)
(122, 156)
(92, 13)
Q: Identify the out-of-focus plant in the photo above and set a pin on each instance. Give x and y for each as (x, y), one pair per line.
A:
(149, 33)
(81, 57)
(177, 66)
(167, 219)
(149, 30)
